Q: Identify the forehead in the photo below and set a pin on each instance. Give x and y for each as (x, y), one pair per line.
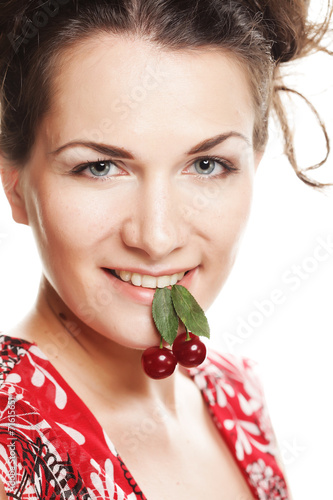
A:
(142, 88)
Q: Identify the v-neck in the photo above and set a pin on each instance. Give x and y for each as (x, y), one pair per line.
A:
(75, 400)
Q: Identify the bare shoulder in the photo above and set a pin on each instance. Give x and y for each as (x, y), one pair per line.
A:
(20, 331)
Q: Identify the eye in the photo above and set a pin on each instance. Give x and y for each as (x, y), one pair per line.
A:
(205, 166)
(101, 168)
(210, 166)
(104, 169)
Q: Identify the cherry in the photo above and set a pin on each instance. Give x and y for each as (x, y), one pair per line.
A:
(189, 350)
(158, 362)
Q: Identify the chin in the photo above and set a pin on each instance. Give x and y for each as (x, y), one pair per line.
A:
(138, 333)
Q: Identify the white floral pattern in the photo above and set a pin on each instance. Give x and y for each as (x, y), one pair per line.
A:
(235, 399)
(263, 477)
(62, 451)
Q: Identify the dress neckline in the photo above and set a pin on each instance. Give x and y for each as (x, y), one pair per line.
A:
(96, 424)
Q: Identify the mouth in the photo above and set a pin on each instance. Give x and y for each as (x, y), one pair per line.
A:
(145, 280)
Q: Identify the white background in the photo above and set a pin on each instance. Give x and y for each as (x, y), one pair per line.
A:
(292, 340)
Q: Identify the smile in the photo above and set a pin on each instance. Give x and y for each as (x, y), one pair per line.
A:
(147, 281)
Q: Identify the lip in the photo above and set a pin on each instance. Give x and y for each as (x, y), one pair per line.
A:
(142, 295)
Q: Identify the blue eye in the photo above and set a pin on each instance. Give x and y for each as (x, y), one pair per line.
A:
(205, 166)
(211, 167)
(100, 168)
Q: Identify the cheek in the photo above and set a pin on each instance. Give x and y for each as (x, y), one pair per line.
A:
(226, 221)
(70, 221)
(225, 214)
(233, 220)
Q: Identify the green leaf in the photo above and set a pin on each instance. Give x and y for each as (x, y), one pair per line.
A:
(189, 311)
(164, 314)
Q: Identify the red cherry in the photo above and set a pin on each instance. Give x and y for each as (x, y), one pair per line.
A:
(158, 362)
(191, 352)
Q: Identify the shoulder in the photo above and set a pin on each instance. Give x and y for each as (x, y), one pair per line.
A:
(236, 367)
(233, 390)
(240, 374)
(12, 350)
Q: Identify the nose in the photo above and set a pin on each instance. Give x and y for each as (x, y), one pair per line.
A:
(155, 225)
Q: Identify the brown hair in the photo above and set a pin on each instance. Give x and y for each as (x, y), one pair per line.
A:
(262, 34)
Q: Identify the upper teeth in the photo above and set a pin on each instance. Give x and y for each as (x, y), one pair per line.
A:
(147, 281)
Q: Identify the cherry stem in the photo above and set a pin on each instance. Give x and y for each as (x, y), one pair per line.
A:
(161, 342)
(187, 334)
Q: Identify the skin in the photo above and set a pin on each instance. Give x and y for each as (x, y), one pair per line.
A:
(153, 213)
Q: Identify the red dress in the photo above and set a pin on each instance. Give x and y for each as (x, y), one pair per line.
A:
(52, 447)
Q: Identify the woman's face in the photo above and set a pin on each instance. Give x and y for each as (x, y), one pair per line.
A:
(144, 164)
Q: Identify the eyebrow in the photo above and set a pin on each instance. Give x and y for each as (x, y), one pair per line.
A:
(117, 152)
(214, 141)
(113, 151)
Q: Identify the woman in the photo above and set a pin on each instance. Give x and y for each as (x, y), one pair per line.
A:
(116, 120)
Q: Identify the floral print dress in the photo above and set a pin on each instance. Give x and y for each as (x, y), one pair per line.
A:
(52, 447)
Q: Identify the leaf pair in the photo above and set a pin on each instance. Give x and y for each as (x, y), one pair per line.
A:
(170, 306)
